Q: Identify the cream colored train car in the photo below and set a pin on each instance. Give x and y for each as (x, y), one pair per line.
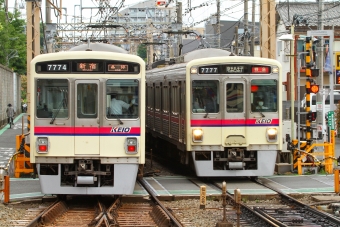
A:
(79, 144)
(220, 114)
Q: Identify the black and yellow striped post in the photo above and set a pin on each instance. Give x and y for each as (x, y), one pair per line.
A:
(309, 63)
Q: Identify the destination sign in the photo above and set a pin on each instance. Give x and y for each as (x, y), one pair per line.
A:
(88, 67)
(234, 69)
(117, 68)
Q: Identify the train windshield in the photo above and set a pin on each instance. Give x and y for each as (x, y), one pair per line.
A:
(122, 98)
(52, 98)
(205, 96)
(264, 95)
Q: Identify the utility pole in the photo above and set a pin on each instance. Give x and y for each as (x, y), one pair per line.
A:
(245, 40)
(48, 22)
(149, 35)
(319, 96)
(33, 40)
(179, 25)
(218, 24)
(252, 50)
(236, 40)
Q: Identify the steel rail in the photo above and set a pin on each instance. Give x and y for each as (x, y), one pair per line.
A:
(35, 222)
(266, 220)
(157, 201)
(330, 218)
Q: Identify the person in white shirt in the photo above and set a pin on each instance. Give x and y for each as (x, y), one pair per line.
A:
(118, 105)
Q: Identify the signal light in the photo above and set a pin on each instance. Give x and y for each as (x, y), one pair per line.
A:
(314, 88)
(311, 116)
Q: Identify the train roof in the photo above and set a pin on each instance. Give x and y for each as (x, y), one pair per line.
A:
(99, 47)
(182, 61)
(205, 53)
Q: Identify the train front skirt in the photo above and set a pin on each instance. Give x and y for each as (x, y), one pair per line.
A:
(123, 182)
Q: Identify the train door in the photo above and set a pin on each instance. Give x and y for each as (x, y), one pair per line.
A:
(182, 113)
(87, 117)
(158, 109)
(166, 108)
(175, 110)
(150, 107)
(234, 122)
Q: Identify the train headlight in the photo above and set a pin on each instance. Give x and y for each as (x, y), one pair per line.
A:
(271, 134)
(42, 145)
(131, 145)
(197, 135)
(275, 70)
(193, 70)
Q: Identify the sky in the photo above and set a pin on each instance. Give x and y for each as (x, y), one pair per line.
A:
(201, 10)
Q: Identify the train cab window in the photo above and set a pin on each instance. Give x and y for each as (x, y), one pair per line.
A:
(205, 96)
(122, 98)
(235, 98)
(264, 95)
(87, 100)
(52, 98)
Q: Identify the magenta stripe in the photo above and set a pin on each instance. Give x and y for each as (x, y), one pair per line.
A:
(85, 130)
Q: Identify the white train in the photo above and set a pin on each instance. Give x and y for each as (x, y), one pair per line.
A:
(78, 144)
(219, 114)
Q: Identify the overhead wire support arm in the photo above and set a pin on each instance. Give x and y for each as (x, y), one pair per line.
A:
(56, 7)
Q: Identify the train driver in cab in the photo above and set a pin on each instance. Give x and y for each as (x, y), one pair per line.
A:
(118, 105)
(209, 101)
(261, 105)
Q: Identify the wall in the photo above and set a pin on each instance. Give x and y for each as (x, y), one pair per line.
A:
(10, 92)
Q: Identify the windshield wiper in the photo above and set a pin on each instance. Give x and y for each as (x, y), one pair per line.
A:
(61, 104)
(262, 114)
(120, 121)
(206, 115)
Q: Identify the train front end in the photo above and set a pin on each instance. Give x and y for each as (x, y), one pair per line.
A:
(78, 144)
(234, 126)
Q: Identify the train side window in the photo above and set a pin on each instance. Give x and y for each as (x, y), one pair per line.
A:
(165, 99)
(175, 99)
(158, 98)
(235, 98)
(52, 98)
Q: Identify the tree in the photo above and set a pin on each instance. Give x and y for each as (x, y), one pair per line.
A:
(141, 51)
(12, 40)
(23, 79)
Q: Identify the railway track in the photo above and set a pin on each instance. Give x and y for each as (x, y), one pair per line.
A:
(294, 212)
(285, 211)
(96, 212)
(158, 211)
(100, 212)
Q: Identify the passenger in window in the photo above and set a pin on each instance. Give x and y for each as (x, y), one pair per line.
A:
(209, 101)
(118, 105)
(260, 105)
(197, 100)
